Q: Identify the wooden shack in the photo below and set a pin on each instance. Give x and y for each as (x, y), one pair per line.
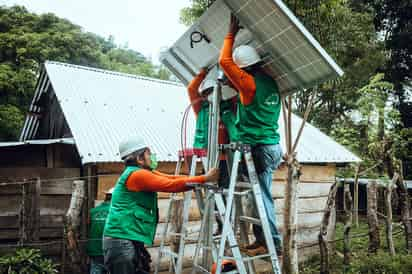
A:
(96, 109)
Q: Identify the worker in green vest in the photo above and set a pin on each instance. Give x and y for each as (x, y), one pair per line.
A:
(133, 216)
(200, 91)
(98, 217)
(257, 122)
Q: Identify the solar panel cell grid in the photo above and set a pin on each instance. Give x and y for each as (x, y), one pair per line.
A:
(289, 52)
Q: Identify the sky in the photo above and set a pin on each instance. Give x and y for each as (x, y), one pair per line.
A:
(146, 26)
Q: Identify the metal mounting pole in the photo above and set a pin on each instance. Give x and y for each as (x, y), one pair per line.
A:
(213, 158)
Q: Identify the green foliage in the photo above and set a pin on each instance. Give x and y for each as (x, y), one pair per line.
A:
(382, 263)
(27, 40)
(27, 261)
(190, 14)
(361, 261)
(11, 119)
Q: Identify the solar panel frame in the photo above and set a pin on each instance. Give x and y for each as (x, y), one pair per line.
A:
(292, 55)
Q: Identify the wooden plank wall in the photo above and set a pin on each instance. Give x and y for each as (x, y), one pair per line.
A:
(54, 199)
(313, 191)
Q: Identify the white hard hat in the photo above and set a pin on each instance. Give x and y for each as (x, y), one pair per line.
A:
(228, 92)
(131, 145)
(245, 56)
(206, 84)
(110, 191)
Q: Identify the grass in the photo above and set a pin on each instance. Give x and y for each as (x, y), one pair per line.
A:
(361, 261)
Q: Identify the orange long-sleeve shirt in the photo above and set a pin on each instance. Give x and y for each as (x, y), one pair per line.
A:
(195, 100)
(243, 81)
(148, 181)
(193, 90)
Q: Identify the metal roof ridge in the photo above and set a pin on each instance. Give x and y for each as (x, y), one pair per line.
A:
(116, 73)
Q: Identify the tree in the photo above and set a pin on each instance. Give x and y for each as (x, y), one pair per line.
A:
(393, 20)
(190, 14)
(27, 40)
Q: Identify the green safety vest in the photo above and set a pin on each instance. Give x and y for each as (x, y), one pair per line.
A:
(257, 122)
(202, 126)
(229, 120)
(133, 215)
(98, 217)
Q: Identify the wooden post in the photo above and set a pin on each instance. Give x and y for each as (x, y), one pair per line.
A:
(388, 206)
(404, 203)
(23, 215)
(90, 195)
(34, 210)
(347, 226)
(323, 234)
(176, 224)
(374, 240)
(30, 211)
(290, 250)
(356, 196)
(72, 225)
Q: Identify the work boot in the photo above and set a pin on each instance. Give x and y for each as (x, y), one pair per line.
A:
(260, 250)
(251, 246)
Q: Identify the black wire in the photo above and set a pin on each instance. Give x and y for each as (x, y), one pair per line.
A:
(202, 36)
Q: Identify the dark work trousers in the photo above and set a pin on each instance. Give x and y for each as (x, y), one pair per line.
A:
(122, 256)
(224, 180)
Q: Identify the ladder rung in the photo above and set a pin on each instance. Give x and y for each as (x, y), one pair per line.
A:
(198, 267)
(169, 252)
(262, 256)
(242, 193)
(250, 220)
(243, 185)
(175, 234)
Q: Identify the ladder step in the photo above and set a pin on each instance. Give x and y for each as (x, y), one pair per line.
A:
(244, 185)
(262, 256)
(175, 234)
(250, 220)
(200, 268)
(170, 253)
(242, 193)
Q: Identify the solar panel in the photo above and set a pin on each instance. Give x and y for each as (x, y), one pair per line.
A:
(290, 53)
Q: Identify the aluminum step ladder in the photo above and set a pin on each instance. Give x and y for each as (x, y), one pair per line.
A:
(176, 258)
(234, 219)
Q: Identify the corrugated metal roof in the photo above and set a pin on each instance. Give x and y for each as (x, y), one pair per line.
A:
(67, 141)
(103, 107)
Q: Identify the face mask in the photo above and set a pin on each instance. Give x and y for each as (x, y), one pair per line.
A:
(153, 161)
(210, 98)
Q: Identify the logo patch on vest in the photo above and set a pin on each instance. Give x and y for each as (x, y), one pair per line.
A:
(272, 100)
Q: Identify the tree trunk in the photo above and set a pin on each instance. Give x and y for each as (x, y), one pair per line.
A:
(72, 225)
(290, 257)
(356, 196)
(405, 212)
(347, 226)
(323, 234)
(388, 206)
(374, 240)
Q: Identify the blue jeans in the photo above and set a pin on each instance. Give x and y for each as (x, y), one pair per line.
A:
(122, 256)
(97, 265)
(267, 159)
